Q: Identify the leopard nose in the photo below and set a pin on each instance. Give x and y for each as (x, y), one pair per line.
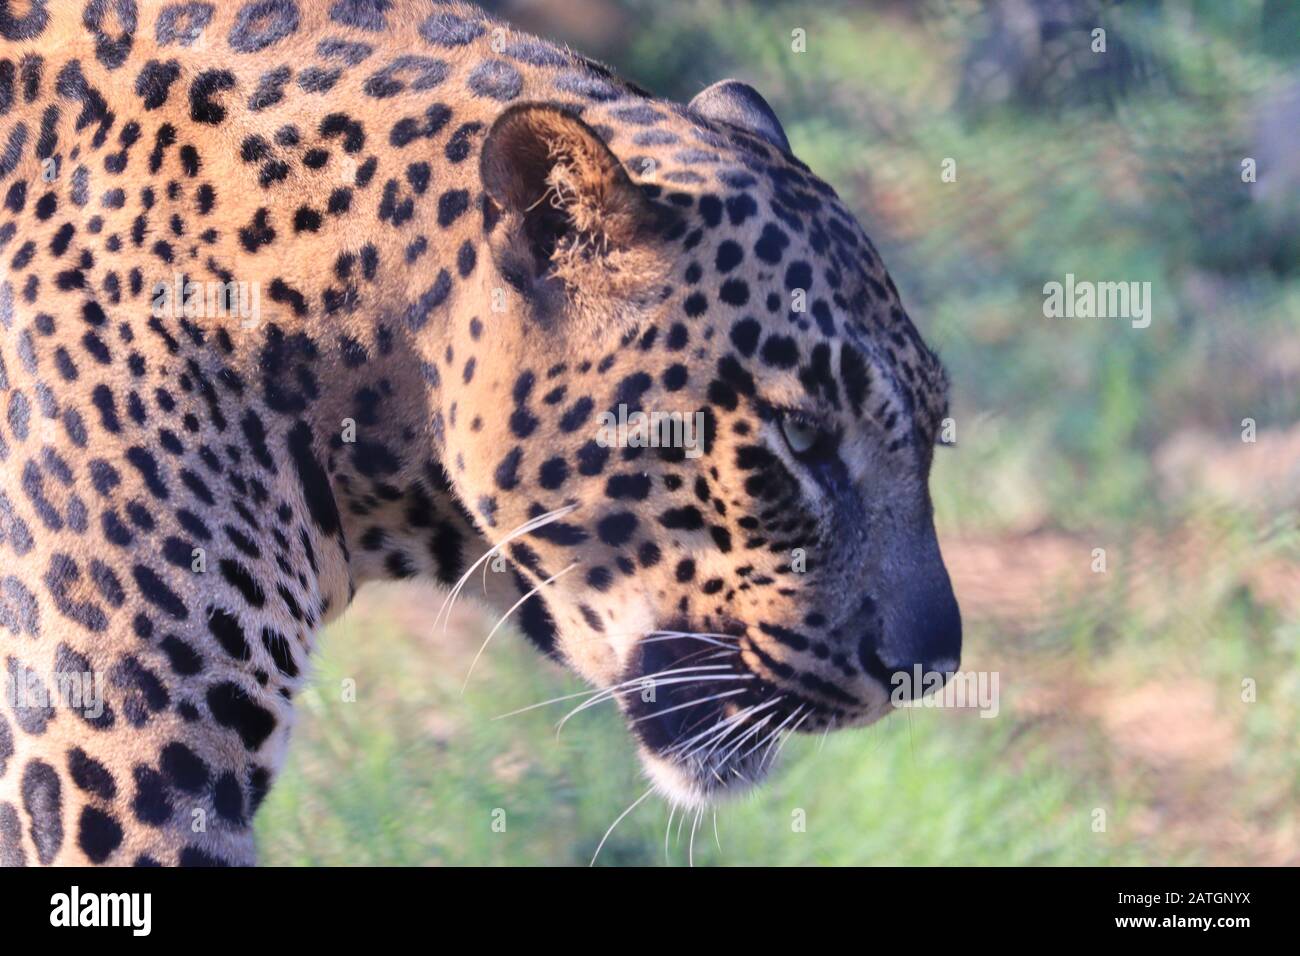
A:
(920, 635)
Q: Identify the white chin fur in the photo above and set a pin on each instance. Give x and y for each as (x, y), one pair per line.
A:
(682, 789)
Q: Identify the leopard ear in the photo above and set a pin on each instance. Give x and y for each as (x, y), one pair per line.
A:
(737, 103)
(547, 167)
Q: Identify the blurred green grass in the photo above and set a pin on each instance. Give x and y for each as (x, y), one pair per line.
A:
(372, 782)
(1121, 692)
(413, 773)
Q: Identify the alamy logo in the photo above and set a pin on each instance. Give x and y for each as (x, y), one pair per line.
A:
(683, 430)
(80, 691)
(74, 908)
(976, 690)
(182, 298)
(1083, 299)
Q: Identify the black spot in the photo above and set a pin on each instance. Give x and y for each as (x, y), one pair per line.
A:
(262, 23)
(363, 14)
(316, 79)
(721, 537)
(98, 834)
(306, 219)
(243, 581)
(111, 51)
(459, 144)
(740, 208)
(735, 375)
(522, 422)
(194, 856)
(11, 836)
(16, 197)
(156, 592)
(419, 312)
(683, 519)
(856, 377)
(43, 801)
(90, 775)
(340, 124)
(617, 529)
(451, 205)
(507, 471)
(780, 351)
(228, 798)
(449, 30)
(202, 108)
(744, 335)
(190, 162)
(427, 72)
(496, 80)
(258, 233)
(553, 473)
(281, 651)
(674, 377)
(155, 80)
(592, 458)
(771, 245)
(231, 707)
(46, 206)
(729, 256)
(340, 201)
(466, 259)
(225, 628)
(633, 487)
(151, 805)
(798, 275)
(577, 415)
(710, 208)
(184, 659)
(734, 292)
(315, 483)
(184, 768)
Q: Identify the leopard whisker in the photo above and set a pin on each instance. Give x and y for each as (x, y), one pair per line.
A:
(672, 811)
(611, 693)
(582, 693)
(714, 734)
(771, 737)
(505, 617)
(784, 740)
(617, 820)
(700, 635)
(526, 528)
(690, 847)
(544, 703)
(722, 731)
(682, 745)
(747, 712)
(726, 754)
(689, 703)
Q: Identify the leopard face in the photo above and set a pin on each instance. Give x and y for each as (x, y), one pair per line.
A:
(756, 551)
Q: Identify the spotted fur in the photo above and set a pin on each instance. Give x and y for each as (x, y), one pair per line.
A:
(469, 244)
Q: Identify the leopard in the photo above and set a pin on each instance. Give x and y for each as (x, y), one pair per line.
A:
(296, 295)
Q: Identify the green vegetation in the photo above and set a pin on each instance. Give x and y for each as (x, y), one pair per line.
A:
(1164, 691)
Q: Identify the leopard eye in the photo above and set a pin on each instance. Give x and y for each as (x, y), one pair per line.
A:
(800, 435)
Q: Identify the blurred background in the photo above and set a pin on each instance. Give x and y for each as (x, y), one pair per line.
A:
(1163, 692)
